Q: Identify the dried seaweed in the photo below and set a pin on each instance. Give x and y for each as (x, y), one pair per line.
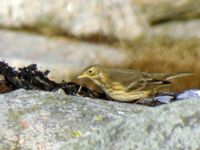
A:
(30, 78)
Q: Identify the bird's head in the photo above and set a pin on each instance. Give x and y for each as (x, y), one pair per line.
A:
(92, 72)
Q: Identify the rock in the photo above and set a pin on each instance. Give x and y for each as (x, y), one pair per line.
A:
(80, 18)
(157, 11)
(195, 93)
(44, 120)
(164, 99)
(62, 57)
(169, 18)
(177, 29)
(97, 20)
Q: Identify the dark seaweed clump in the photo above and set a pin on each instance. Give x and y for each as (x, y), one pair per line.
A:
(30, 78)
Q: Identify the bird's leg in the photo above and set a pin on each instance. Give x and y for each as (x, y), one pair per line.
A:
(79, 90)
(154, 93)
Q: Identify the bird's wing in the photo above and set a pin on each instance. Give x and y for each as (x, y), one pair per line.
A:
(146, 84)
(137, 80)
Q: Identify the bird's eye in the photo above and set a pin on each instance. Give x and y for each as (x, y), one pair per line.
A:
(89, 71)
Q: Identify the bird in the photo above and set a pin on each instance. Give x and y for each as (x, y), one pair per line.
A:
(127, 85)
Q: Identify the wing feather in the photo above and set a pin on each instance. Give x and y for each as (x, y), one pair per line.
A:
(138, 80)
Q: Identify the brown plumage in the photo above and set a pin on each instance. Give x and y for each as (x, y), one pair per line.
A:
(125, 84)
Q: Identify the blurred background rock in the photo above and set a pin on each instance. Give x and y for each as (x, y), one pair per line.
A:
(65, 36)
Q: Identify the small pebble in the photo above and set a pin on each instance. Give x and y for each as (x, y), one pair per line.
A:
(188, 94)
(164, 99)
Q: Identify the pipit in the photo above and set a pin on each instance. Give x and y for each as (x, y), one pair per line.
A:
(127, 85)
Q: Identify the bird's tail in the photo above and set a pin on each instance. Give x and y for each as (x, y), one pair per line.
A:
(180, 74)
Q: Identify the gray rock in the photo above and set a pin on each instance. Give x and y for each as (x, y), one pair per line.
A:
(61, 56)
(177, 29)
(117, 19)
(80, 18)
(158, 11)
(43, 120)
(189, 93)
(164, 99)
(169, 18)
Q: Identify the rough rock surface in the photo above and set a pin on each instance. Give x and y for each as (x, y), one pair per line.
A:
(62, 57)
(80, 18)
(158, 11)
(176, 19)
(116, 19)
(178, 29)
(43, 120)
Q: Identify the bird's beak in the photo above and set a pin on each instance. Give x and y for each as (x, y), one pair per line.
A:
(81, 76)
